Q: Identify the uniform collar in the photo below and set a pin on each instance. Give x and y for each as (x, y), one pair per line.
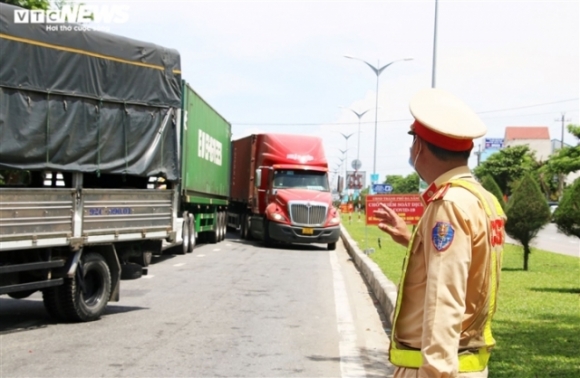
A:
(454, 174)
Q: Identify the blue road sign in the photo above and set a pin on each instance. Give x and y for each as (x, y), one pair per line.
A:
(382, 188)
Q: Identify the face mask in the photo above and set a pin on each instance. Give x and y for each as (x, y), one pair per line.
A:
(414, 163)
(411, 162)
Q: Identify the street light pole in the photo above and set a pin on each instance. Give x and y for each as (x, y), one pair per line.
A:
(359, 115)
(377, 70)
(346, 152)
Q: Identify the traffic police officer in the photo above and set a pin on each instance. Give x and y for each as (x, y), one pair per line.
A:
(447, 293)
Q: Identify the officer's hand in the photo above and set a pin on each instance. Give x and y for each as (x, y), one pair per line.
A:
(393, 225)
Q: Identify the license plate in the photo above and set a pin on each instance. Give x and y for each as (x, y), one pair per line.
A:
(308, 231)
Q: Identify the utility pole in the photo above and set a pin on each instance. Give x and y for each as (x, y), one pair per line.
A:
(561, 183)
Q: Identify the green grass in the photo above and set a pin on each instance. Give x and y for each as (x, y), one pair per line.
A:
(537, 323)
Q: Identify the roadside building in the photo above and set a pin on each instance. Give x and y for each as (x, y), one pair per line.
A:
(537, 138)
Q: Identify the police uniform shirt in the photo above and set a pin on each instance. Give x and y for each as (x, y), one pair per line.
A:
(446, 286)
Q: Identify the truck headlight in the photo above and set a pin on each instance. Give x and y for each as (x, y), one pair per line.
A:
(335, 220)
(278, 217)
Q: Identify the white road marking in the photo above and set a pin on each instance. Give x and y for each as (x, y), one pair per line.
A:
(351, 364)
(148, 276)
(180, 264)
(216, 250)
(200, 256)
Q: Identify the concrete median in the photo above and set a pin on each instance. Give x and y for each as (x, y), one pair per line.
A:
(383, 289)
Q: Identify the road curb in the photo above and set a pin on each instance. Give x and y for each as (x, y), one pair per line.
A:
(383, 289)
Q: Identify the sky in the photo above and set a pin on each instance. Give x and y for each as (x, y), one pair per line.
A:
(280, 66)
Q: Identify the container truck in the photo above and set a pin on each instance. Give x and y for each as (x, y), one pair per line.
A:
(280, 190)
(107, 157)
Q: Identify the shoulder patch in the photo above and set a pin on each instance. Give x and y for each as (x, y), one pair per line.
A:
(442, 236)
(441, 192)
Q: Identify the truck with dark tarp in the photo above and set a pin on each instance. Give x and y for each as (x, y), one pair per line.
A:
(280, 190)
(101, 148)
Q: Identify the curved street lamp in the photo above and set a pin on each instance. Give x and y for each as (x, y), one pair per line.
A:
(377, 70)
(359, 115)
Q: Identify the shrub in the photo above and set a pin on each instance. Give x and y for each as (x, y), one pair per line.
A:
(527, 212)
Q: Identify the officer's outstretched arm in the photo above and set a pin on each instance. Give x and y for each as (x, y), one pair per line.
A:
(394, 225)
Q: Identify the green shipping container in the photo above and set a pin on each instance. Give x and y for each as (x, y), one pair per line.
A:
(206, 151)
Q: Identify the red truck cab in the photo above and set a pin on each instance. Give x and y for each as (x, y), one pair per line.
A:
(290, 200)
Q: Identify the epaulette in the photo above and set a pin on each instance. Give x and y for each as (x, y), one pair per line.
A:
(441, 192)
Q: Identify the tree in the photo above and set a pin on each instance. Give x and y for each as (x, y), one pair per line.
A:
(403, 185)
(527, 212)
(567, 159)
(491, 186)
(507, 165)
(567, 215)
(29, 4)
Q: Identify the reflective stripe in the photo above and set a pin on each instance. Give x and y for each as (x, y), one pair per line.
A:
(414, 359)
(467, 362)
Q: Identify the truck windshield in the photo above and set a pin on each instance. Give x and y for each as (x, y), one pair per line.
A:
(313, 180)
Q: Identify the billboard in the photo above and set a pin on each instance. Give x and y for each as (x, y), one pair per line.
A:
(355, 180)
(407, 206)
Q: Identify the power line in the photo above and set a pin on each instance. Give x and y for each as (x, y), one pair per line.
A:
(528, 106)
(407, 119)
(528, 115)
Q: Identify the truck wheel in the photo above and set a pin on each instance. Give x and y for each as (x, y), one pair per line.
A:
(191, 233)
(248, 227)
(218, 226)
(331, 246)
(86, 301)
(53, 299)
(267, 240)
(131, 271)
(213, 235)
(185, 235)
(243, 227)
(193, 240)
(224, 225)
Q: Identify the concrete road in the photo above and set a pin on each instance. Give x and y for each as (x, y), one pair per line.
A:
(233, 309)
(550, 239)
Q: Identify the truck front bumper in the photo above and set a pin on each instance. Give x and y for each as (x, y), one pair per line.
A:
(296, 234)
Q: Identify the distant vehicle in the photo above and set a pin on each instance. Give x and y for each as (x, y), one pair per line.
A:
(552, 210)
(280, 190)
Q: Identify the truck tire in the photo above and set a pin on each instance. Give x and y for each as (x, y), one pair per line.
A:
(243, 227)
(86, 301)
(185, 235)
(192, 235)
(331, 246)
(248, 227)
(212, 236)
(268, 242)
(131, 271)
(218, 226)
(53, 299)
(224, 225)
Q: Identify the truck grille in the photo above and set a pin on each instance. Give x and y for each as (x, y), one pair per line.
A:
(308, 214)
